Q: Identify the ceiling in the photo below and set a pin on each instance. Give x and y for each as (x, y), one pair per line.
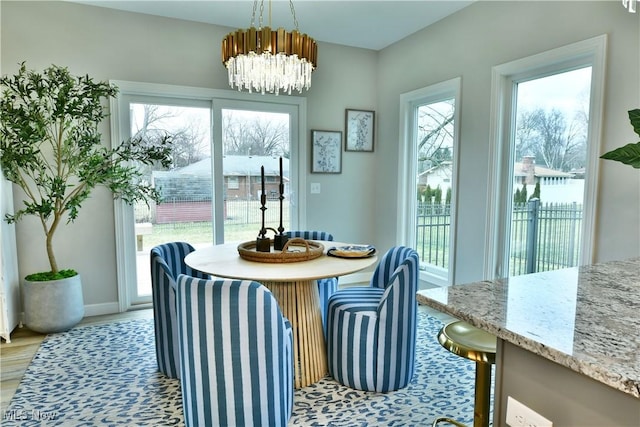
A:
(370, 24)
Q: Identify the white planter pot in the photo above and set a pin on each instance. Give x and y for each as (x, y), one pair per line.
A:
(53, 306)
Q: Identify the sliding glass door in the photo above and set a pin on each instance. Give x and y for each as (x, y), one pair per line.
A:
(185, 212)
(211, 191)
(253, 136)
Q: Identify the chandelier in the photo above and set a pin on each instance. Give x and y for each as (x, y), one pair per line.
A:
(265, 60)
(630, 5)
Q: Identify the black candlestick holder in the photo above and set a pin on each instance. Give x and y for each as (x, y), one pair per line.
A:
(280, 239)
(263, 243)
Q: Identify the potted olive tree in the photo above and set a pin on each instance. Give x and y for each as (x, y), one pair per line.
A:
(50, 147)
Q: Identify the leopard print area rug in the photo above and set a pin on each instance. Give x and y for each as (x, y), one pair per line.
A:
(106, 375)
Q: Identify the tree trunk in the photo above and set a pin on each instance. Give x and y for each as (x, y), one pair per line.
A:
(52, 258)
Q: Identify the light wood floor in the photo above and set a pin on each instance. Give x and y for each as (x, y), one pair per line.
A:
(16, 355)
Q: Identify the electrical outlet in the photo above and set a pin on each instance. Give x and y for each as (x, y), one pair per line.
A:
(519, 415)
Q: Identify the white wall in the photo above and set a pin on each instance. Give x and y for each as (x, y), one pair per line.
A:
(345, 206)
(359, 204)
(468, 44)
(114, 45)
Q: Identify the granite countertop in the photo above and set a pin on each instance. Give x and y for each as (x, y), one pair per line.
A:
(585, 318)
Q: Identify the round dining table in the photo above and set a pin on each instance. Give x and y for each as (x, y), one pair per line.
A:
(293, 284)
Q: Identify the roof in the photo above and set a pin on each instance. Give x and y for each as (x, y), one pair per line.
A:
(446, 164)
(540, 171)
(238, 166)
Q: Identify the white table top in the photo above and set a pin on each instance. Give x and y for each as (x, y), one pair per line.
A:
(224, 261)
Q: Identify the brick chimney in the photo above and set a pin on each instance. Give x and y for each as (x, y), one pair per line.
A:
(529, 168)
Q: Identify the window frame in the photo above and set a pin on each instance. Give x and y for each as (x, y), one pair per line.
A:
(504, 80)
(407, 186)
(211, 98)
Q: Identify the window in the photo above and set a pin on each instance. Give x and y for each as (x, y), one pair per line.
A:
(428, 155)
(545, 124)
(205, 200)
(233, 183)
(185, 211)
(253, 139)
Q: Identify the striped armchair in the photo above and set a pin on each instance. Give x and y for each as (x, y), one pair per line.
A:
(236, 354)
(167, 262)
(371, 331)
(326, 287)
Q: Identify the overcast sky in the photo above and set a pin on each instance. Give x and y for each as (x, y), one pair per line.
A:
(566, 92)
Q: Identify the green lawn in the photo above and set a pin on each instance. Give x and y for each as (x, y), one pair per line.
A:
(242, 223)
(198, 232)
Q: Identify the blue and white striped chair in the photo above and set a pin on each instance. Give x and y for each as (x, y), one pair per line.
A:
(236, 354)
(167, 262)
(371, 331)
(326, 287)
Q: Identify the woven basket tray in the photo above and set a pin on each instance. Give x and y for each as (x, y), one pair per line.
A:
(295, 250)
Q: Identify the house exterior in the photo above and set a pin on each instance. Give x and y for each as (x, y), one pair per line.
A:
(187, 192)
(242, 178)
(437, 176)
(527, 172)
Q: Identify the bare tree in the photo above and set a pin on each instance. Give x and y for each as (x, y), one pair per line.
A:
(191, 143)
(554, 142)
(258, 136)
(150, 122)
(435, 133)
(189, 139)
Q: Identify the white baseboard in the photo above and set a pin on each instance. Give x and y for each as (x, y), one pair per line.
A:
(100, 309)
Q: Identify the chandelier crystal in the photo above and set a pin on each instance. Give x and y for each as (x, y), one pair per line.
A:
(269, 61)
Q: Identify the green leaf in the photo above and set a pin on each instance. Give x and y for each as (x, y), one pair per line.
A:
(50, 146)
(634, 118)
(628, 154)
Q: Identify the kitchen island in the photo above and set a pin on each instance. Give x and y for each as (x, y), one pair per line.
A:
(568, 340)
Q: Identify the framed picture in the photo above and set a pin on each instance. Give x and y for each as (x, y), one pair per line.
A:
(326, 151)
(359, 130)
